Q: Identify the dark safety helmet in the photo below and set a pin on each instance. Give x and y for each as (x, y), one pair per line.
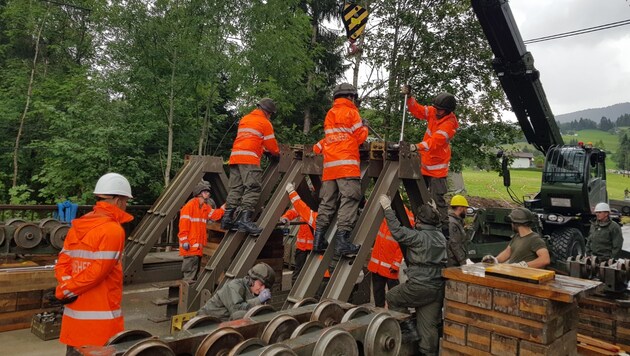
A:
(264, 273)
(429, 215)
(344, 89)
(521, 216)
(201, 187)
(267, 104)
(445, 101)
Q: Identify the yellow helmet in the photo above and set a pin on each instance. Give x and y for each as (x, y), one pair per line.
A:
(459, 200)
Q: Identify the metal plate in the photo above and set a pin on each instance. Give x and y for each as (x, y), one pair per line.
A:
(354, 313)
(259, 310)
(128, 335)
(335, 341)
(277, 350)
(305, 301)
(383, 336)
(201, 321)
(328, 312)
(247, 346)
(279, 329)
(308, 327)
(27, 235)
(58, 236)
(219, 342)
(150, 347)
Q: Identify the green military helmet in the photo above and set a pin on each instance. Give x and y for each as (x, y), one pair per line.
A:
(445, 101)
(521, 216)
(201, 187)
(268, 105)
(264, 273)
(344, 89)
(429, 215)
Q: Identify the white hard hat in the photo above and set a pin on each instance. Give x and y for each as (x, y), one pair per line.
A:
(602, 207)
(113, 184)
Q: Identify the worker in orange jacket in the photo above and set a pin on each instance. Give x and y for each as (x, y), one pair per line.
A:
(192, 233)
(435, 148)
(255, 133)
(385, 262)
(304, 242)
(345, 132)
(89, 269)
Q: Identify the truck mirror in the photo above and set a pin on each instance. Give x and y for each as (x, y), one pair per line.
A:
(505, 171)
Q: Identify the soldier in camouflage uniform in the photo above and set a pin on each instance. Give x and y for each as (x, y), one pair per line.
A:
(425, 257)
(604, 239)
(237, 296)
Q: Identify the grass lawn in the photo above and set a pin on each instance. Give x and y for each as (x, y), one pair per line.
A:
(490, 185)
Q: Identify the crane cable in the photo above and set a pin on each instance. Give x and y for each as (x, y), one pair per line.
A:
(578, 32)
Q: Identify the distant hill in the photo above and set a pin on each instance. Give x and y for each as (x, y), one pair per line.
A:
(612, 112)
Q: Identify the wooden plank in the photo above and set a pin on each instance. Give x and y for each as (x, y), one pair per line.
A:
(456, 291)
(455, 332)
(562, 288)
(478, 338)
(543, 333)
(450, 348)
(542, 309)
(506, 302)
(588, 350)
(503, 345)
(565, 345)
(597, 343)
(601, 325)
(26, 281)
(29, 300)
(525, 274)
(480, 296)
(19, 319)
(8, 302)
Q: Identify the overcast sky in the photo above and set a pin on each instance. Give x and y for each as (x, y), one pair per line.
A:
(580, 72)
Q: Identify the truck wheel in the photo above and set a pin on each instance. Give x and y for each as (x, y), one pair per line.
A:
(566, 242)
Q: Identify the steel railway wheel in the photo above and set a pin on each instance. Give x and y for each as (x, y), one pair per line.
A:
(259, 310)
(354, 313)
(58, 235)
(247, 346)
(279, 329)
(219, 342)
(383, 336)
(201, 321)
(328, 312)
(305, 301)
(27, 235)
(277, 350)
(335, 341)
(128, 335)
(151, 347)
(308, 327)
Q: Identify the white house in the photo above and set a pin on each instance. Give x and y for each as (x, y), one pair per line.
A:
(522, 160)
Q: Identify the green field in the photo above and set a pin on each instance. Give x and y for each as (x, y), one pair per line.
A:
(526, 182)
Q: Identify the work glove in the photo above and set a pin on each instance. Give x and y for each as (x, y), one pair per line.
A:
(405, 89)
(489, 259)
(521, 264)
(272, 157)
(469, 262)
(413, 147)
(186, 246)
(385, 202)
(264, 295)
(290, 188)
(284, 221)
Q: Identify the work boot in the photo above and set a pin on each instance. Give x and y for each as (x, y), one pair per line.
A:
(409, 331)
(319, 240)
(343, 246)
(245, 223)
(226, 222)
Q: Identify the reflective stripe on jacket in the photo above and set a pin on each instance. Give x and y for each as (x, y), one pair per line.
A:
(193, 219)
(309, 216)
(89, 267)
(345, 132)
(304, 238)
(386, 254)
(254, 132)
(435, 148)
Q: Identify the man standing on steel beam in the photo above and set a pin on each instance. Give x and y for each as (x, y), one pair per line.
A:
(255, 133)
(435, 148)
(345, 131)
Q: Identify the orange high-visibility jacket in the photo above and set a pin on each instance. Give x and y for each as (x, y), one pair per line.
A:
(254, 133)
(192, 227)
(345, 132)
(435, 148)
(89, 267)
(306, 214)
(304, 240)
(386, 254)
